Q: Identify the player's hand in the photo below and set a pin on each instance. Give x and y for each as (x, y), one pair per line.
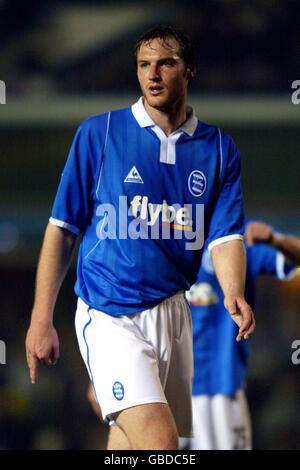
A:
(258, 232)
(242, 314)
(42, 345)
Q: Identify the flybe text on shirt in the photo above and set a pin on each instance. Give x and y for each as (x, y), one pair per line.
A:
(142, 219)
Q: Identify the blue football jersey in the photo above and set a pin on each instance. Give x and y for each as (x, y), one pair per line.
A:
(220, 362)
(144, 204)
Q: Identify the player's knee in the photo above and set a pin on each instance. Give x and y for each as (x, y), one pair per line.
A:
(150, 427)
(169, 441)
(159, 434)
(156, 439)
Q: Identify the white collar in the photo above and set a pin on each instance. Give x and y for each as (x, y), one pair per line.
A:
(144, 120)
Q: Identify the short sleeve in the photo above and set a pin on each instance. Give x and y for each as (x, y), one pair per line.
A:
(273, 262)
(227, 221)
(72, 204)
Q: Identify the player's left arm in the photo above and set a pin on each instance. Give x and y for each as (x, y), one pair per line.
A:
(289, 245)
(229, 260)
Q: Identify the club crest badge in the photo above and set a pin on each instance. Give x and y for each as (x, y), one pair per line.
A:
(118, 391)
(197, 183)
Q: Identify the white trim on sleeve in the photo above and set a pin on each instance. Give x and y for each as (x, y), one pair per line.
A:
(62, 224)
(228, 238)
(280, 262)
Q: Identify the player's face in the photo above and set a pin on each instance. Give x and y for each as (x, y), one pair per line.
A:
(162, 73)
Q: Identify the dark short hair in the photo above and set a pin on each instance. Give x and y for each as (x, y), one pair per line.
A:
(187, 51)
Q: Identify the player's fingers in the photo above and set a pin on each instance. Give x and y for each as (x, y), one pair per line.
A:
(248, 322)
(253, 233)
(231, 306)
(54, 355)
(47, 361)
(249, 237)
(28, 356)
(250, 330)
(33, 369)
(242, 315)
(47, 357)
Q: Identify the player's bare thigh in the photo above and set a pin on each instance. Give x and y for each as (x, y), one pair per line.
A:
(117, 439)
(149, 427)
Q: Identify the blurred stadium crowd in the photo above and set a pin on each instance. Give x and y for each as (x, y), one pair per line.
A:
(80, 48)
(63, 45)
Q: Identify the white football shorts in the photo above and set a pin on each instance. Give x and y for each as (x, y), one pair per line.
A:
(220, 422)
(141, 358)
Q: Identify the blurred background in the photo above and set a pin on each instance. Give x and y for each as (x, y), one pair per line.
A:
(63, 61)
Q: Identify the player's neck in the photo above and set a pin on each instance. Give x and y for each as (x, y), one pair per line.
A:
(168, 119)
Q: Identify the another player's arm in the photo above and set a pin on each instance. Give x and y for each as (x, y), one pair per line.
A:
(289, 245)
(229, 261)
(42, 341)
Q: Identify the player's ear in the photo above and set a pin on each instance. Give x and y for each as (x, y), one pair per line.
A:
(190, 73)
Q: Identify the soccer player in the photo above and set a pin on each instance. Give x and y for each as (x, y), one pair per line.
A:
(221, 418)
(144, 185)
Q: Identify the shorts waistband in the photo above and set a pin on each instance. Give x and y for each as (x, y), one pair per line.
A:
(179, 294)
(175, 296)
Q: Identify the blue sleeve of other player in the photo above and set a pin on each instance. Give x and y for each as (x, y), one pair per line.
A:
(271, 261)
(72, 203)
(227, 221)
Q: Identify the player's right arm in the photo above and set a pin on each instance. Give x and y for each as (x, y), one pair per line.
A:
(42, 343)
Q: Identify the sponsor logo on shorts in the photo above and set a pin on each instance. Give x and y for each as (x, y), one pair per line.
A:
(197, 183)
(118, 390)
